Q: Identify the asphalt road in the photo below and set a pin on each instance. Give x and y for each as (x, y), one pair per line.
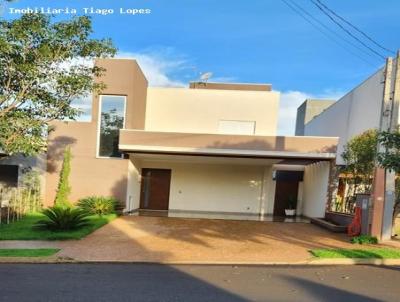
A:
(147, 282)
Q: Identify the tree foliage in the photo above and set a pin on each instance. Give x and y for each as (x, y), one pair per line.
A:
(389, 158)
(360, 157)
(64, 188)
(43, 68)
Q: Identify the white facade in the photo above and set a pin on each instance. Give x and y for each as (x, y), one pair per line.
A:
(203, 110)
(357, 111)
(222, 185)
(315, 188)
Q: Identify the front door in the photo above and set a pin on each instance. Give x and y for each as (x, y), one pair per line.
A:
(155, 189)
(284, 191)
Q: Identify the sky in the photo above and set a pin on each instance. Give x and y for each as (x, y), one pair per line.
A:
(260, 41)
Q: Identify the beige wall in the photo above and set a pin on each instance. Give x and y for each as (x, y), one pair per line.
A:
(133, 184)
(213, 187)
(200, 110)
(124, 77)
(247, 188)
(315, 189)
(268, 194)
(281, 146)
(91, 175)
(357, 111)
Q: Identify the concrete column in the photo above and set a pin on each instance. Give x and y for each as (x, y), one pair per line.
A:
(265, 190)
(383, 196)
(377, 197)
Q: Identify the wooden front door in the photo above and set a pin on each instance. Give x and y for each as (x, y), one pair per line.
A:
(284, 190)
(154, 194)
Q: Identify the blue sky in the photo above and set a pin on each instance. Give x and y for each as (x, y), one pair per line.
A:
(244, 41)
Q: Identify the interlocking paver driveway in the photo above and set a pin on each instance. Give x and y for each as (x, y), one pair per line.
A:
(159, 239)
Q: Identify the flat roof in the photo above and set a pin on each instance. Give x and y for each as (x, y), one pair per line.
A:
(230, 86)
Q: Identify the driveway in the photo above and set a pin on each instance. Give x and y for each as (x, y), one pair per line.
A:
(160, 239)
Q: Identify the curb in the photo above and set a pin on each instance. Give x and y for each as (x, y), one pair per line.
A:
(310, 262)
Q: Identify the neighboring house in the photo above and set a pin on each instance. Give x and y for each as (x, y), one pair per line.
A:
(211, 147)
(308, 110)
(357, 111)
(374, 104)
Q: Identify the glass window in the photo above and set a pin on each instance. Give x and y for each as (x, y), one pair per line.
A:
(111, 120)
(237, 127)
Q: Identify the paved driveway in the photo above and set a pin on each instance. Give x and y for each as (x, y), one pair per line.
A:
(159, 239)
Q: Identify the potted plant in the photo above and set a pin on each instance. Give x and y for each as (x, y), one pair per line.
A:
(291, 210)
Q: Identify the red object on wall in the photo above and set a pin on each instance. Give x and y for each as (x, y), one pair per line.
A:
(354, 228)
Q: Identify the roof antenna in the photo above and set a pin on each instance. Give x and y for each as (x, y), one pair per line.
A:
(204, 77)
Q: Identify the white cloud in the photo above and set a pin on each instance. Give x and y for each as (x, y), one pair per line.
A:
(85, 106)
(158, 66)
(290, 101)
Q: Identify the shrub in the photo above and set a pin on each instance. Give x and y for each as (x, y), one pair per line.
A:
(364, 239)
(98, 205)
(63, 218)
(64, 189)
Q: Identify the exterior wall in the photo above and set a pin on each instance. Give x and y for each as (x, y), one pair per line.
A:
(124, 77)
(91, 175)
(315, 189)
(213, 187)
(308, 110)
(268, 192)
(233, 188)
(279, 146)
(300, 196)
(200, 110)
(357, 111)
(133, 185)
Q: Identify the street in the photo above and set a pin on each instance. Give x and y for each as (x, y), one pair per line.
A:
(152, 282)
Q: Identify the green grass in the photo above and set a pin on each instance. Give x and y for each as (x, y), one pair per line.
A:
(27, 252)
(364, 239)
(381, 253)
(23, 229)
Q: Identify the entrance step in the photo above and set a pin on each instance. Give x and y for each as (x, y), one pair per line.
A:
(329, 225)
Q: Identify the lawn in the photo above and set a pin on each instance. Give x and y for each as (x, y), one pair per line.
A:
(23, 229)
(27, 252)
(381, 253)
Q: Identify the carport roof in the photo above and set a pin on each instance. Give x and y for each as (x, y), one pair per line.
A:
(299, 147)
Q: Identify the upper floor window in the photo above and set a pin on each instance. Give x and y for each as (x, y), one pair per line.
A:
(237, 127)
(112, 118)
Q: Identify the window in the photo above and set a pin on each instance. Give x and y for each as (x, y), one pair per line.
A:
(112, 118)
(237, 127)
(8, 176)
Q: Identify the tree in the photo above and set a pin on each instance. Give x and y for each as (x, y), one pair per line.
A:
(390, 157)
(43, 68)
(64, 188)
(360, 158)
